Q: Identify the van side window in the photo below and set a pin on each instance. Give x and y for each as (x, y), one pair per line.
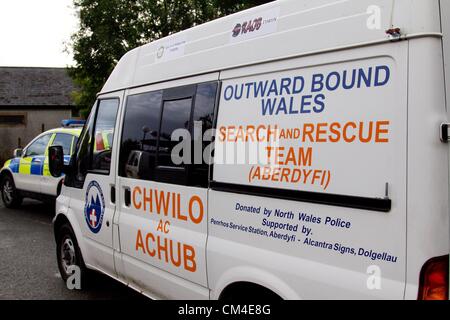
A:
(176, 114)
(140, 135)
(104, 135)
(95, 145)
(149, 123)
(74, 145)
(83, 153)
(205, 103)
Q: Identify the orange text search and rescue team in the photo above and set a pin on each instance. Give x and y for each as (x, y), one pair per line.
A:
(348, 132)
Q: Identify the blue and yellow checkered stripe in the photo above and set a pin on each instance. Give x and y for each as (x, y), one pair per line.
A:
(13, 165)
(37, 166)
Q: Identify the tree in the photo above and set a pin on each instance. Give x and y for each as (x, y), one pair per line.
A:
(110, 28)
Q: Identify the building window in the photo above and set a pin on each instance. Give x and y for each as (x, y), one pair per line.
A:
(12, 119)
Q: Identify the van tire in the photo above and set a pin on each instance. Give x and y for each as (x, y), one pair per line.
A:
(68, 254)
(10, 195)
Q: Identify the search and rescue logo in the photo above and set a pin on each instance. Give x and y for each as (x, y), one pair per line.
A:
(94, 207)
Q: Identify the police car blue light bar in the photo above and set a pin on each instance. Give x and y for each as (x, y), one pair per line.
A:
(72, 123)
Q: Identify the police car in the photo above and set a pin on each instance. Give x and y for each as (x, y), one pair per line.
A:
(27, 175)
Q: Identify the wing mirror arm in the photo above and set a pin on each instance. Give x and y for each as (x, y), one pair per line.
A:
(17, 153)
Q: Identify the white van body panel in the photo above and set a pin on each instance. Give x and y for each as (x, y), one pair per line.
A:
(445, 24)
(333, 24)
(428, 162)
(350, 160)
(99, 245)
(63, 209)
(445, 21)
(146, 271)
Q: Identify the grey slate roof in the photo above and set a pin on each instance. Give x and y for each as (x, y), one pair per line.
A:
(38, 87)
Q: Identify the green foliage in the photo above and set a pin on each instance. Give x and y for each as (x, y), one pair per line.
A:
(110, 28)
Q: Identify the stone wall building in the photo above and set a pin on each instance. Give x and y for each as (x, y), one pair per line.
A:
(32, 100)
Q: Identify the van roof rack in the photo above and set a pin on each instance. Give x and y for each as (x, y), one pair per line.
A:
(70, 123)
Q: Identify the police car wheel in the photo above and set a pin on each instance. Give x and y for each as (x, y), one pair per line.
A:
(10, 196)
(69, 255)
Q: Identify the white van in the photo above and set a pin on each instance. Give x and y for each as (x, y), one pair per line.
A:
(330, 171)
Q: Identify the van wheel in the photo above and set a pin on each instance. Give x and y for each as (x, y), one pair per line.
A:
(10, 195)
(69, 255)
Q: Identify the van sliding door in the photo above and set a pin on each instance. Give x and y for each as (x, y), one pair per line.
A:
(163, 190)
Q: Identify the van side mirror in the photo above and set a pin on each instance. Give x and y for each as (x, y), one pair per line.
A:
(56, 161)
(17, 153)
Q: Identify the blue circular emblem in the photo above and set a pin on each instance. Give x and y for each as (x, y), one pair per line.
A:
(94, 207)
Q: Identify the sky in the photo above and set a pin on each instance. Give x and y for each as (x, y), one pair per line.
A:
(33, 33)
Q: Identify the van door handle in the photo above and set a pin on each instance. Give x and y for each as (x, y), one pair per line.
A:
(127, 197)
(113, 194)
